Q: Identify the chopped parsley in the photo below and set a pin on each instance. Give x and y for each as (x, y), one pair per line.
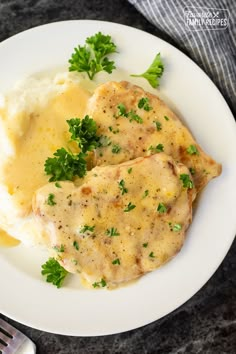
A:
(187, 182)
(144, 103)
(100, 284)
(161, 208)
(132, 115)
(154, 72)
(145, 244)
(60, 248)
(158, 125)
(175, 227)
(129, 170)
(116, 131)
(122, 187)
(112, 232)
(145, 194)
(51, 199)
(92, 57)
(86, 228)
(76, 245)
(116, 149)
(192, 150)
(54, 272)
(121, 110)
(151, 255)
(157, 149)
(57, 185)
(166, 118)
(192, 170)
(116, 261)
(129, 207)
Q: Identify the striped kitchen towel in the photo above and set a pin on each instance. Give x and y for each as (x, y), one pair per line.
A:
(205, 30)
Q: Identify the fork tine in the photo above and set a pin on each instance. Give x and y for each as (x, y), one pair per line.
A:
(2, 348)
(4, 338)
(8, 328)
(13, 343)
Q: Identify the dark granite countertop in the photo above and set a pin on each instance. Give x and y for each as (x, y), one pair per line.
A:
(207, 322)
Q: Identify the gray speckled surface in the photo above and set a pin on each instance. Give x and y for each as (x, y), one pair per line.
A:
(207, 322)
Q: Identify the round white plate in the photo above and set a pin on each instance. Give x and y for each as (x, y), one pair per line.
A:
(72, 310)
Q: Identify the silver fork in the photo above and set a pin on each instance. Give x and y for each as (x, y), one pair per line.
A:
(14, 341)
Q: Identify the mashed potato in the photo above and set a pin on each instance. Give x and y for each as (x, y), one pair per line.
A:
(32, 127)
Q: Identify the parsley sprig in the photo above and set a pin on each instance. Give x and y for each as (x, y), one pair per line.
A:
(84, 132)
(54, 272)
(154, 72)
(92, 57)
(65, 165)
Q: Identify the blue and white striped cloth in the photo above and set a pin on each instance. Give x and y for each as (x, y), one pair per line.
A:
(213, 50)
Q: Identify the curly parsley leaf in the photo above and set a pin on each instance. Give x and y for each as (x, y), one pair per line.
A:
(154, 72)
(54, 272)
(65, 165)
(84, 131)
(92, 57)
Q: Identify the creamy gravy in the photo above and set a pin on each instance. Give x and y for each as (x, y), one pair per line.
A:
(42, 132)
(7, 241)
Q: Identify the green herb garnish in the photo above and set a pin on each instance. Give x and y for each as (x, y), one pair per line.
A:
(132, 115)
(84, 131)
(112, 232)
(51, 200)
(60, 248)
(86, 228)
(154, 72)
(145, 244)
(116, 149)
(129, 207)
(116, 261)
(151, 255)
(161, 208)
(129, 170)
(100, 284)
(158, 125)
(144, 103)
(157, 149)
(145, 194)
(177, 227)
(122, 187)
(92, 57)
(192, 170)
(192, 150)
(76, 245)
(54, 271)
(187, 182)
(65, 165)
(121, 110)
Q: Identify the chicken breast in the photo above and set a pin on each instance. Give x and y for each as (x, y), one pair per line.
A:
(135, 123)
(123, 221)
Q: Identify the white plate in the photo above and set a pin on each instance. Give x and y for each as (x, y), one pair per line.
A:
(71, 310)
